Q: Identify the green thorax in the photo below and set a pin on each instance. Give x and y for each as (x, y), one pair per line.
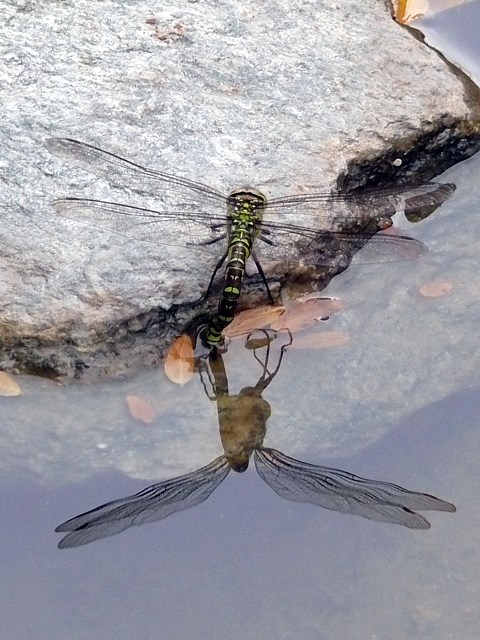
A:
(245, 208)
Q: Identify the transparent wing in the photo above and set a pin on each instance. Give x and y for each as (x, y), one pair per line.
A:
(191, 226)
(120, 171)
(182, 228)
(320, 248)
(154, 503)
(389, 248)
(374, 201)
(201, 230)
(377, 201)
(341, 491)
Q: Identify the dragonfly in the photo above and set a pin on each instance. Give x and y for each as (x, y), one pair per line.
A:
(242, 419)
(238, 219)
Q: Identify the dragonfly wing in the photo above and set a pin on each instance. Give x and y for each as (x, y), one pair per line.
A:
(389, 248)
(293, 244)
(408, 200)
(118, 170)
(373, 202)
(154, 503)
(342, 491)
(159, 227)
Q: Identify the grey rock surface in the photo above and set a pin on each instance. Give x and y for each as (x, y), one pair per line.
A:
(287, 96)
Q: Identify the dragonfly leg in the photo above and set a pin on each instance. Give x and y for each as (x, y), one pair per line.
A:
(216, 350)
(262, 275)
(268, 376)
(210, 284)
(264, 237)
(206, 243)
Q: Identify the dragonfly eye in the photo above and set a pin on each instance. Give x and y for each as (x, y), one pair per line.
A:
(248, 195)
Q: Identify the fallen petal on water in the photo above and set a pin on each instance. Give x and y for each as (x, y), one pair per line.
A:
(436, 289)
(180, 362)
(251, 319)
(8, 385)
(303, 314)
(141, 409)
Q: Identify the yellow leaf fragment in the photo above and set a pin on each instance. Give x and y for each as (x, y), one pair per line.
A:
(321, 340)
(436, 289)
(141, 409)
(8, 385)
(406, 11)
(179, 361)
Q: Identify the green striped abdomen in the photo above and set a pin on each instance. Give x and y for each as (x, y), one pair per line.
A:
(238, 253)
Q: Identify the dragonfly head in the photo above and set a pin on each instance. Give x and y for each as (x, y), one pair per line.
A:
(246, 200)
(238, 466)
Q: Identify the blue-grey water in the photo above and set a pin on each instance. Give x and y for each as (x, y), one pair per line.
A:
(399, 402)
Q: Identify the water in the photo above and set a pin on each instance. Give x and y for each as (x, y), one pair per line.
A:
(454, 32)
(399, 402)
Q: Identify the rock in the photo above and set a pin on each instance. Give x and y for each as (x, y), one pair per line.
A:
(291, 98)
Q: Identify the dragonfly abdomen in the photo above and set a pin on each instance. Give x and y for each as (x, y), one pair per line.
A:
(239, 251)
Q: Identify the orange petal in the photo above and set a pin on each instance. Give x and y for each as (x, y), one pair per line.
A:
(302, 314)
(140, 409)
(436, 289)
(8, 385)
(251, 319)
(179, 361)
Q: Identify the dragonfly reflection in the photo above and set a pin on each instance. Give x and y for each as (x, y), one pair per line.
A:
(242, 420)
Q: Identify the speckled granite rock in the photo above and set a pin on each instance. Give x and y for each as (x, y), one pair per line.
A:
(287, 96)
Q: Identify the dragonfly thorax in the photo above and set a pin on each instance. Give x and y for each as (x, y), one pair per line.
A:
(246, 204)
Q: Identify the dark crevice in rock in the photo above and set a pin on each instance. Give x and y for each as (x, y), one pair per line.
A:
(423, 156)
